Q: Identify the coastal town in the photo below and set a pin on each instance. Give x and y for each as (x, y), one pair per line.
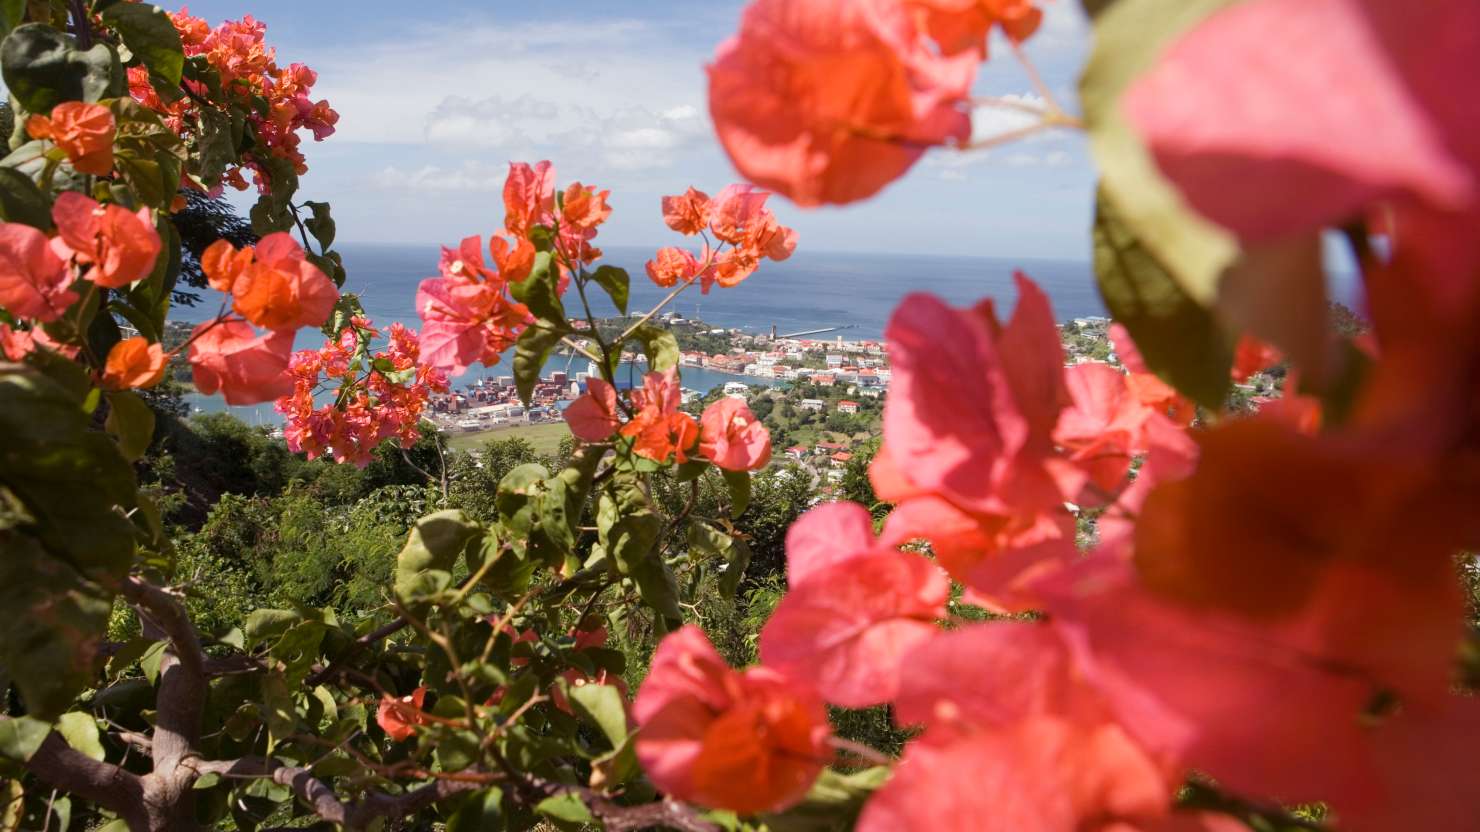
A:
(822, 399)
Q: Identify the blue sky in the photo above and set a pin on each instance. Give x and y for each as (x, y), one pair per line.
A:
(436, 98)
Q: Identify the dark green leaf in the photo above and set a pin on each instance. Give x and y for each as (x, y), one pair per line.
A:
(1180, 339)
(424, 566)
(69, 477)
(42, 67)
(627, 527)
(482, 812)
(214, 145)
(531, 352)
(659, 589)
(321, 224)
(739, 560)
(616, 282)
(539, 291)
(131, 422)
(346, 308)
(148, 33)
(22, 201)
(53, 624)
(659, 345)
(12, 12)
(147, 153)
(739, 483)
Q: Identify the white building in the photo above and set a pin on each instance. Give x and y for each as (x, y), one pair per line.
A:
(813, 404)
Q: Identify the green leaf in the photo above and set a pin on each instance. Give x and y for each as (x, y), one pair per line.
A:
(627, 528)
(346, 308)
(21, 736)
(565, 807)
(321, 224)
(80, 731)
(267, 625)
(691, 470)
(1130, 36)
(424, 566)
(22, 201)
(131, 422)
(1178, 337)
(531, 352)
(616, 282)
(483, 812)
(659, 345)
(735, 567)
(147, 153)
(53, 625)
(69, 477)
(539, 291)
(739, 484)
(12, 12)
(148, 33)
(658, 588)
(215, 147)
(603, 706)
(42, 68)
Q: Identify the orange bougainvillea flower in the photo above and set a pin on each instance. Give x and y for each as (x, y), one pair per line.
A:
(134, 362)
(687, 213)
(961, 25)
(514, 261)
(660, 429)
(593, 417)
(121, 245)
(223, 263)
(1252, 356)
(272, 284)
(829, 101)
(732, 438)
(583, 206)
(244, 366)
(529, 197)
(83, 131)
(749, 741)
(33, 279)
(1149, 389)
(16, 344)
(398, 718)
(672, 265)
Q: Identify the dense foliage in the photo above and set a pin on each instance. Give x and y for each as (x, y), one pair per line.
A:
(1101, 596)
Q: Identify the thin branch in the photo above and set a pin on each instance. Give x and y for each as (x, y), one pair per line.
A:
(364, 641)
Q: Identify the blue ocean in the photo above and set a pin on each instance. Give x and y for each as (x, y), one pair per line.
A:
(812, 290)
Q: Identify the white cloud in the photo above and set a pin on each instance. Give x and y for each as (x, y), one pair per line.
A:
(1004, 116)
(469, 177)
(641, 106)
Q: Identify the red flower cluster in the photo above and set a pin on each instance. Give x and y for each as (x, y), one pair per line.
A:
(987, 440)
(738, 218)
(467, 314)
(379, 397)
(237, 50)
(104, 244)
(83, 131)
(727, 433)
(271, 285)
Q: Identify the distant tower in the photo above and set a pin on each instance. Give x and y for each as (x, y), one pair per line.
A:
(773, 332)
